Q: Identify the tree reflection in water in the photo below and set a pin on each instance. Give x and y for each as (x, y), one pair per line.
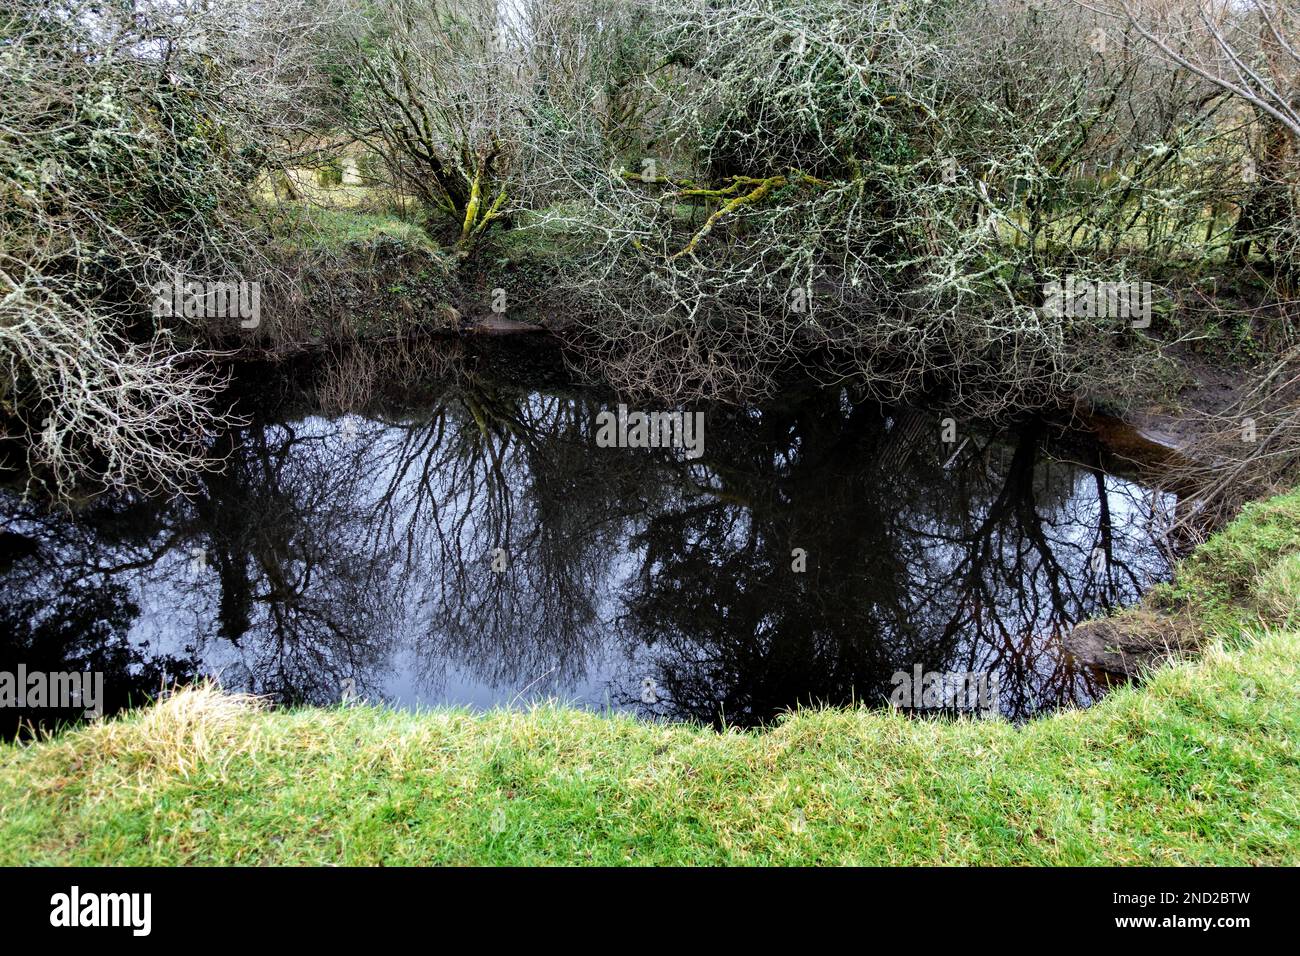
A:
(358, 553)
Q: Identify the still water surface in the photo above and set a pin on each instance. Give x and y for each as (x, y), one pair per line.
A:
(359, 554)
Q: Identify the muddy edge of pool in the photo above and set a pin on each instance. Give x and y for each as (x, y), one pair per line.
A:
(1149, 440)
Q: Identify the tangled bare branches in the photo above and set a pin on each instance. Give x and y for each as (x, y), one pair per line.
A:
(1246, 52)
(871, 190)
(131, 415)
(437, 99)
(125, 160)
(869, 187)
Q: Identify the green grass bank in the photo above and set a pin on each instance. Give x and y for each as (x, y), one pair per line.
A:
(1199, 765)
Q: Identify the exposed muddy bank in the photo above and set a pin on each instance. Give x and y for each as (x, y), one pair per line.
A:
(1128, 647)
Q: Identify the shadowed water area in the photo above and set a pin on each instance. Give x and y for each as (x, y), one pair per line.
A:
(465, 541)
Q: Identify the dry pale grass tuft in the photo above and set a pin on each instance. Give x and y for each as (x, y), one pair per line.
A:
(178, 733)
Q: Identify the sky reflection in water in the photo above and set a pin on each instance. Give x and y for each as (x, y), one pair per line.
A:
(357, 553)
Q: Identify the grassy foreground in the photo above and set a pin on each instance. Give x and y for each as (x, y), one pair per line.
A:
(1199, 765)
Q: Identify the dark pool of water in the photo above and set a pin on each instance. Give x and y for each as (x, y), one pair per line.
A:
(333, 555)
